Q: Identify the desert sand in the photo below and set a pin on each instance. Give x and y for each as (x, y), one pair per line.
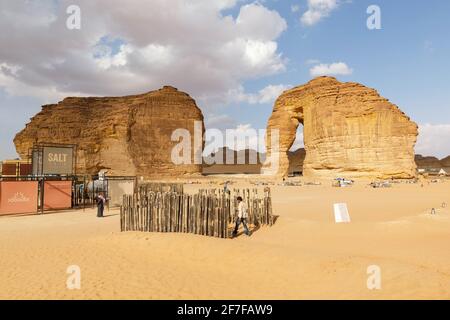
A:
(305, 255)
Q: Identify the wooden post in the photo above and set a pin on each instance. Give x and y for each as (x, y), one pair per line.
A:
(164, 208)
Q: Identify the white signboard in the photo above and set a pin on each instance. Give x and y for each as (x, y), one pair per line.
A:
(341, 213)
(118, 188)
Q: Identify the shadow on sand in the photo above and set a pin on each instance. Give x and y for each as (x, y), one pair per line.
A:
(252, 229)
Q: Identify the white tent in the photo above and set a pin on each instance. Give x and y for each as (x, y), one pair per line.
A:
(442, 172)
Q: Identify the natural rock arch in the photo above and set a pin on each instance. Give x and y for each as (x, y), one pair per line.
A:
(349, 130)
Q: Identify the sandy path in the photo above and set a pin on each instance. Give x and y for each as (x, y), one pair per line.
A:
(303, 256)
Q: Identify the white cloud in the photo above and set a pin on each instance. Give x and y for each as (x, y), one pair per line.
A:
(312, 61)
(270, 93)
(434, 140)
(249, 23)
(219, 121)
(262, 56)
(295, 8)
(240, 137)
(298, 143)
(246, 138)
(192, 45)
(16, 88)
(107, 60)
(266, 95)
(333, 69)
(317, 10)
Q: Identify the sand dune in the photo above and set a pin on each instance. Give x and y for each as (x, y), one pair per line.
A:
(305, 255)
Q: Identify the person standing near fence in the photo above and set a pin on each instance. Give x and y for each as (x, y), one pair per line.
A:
(225, 187)
(100, 205)
(242, 217)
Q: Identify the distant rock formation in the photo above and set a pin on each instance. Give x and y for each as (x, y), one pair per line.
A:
(427, 162)
(243, 162)
(349, 130)
(246, 161)
(124, 135)
(296, 159)
(446, 162)
(432, 163)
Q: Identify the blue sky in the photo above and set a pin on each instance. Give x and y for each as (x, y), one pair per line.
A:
(407, 61)
(118, 53)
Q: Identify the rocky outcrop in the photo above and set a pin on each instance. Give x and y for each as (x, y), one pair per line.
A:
(446, 162)
(124, 135)
(228, 161)
(349, 130)
(432, 163)
(427, 162)
(296, 159)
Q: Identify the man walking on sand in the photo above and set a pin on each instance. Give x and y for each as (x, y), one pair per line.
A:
(100, 205)
(242, 217)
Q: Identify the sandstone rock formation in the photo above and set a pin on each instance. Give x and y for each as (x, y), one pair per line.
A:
(432, 163)
(446, 162)
(228, 161)
(124, 135)
(427, 162)
(349, 130)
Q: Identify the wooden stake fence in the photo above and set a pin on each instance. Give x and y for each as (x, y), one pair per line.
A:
(162, 187)
(208, 213)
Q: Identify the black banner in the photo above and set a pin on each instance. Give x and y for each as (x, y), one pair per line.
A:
(157, 309)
